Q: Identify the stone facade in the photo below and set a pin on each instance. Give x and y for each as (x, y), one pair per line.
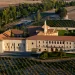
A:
(48, 45)
(13, 45)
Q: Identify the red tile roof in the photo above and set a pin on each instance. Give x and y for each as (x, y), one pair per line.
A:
(54, 38)
(51, 31)
(16, 31)
(33, 26)
(13, 38)
(7, 34)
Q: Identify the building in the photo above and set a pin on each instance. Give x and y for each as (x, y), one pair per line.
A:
(47, 31)
(50, 43)
(12, 40)
(46, 39)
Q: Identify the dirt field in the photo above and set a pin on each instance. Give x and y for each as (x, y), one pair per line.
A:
(5, 3)
(71, 12)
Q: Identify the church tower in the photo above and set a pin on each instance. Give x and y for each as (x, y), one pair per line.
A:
(45, 28)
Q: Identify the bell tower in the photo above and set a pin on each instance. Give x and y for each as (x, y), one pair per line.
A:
(45, 27)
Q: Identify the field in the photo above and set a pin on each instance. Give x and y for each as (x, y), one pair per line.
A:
(25, 66)
(70, 10)
(5, 3)
(58, 23)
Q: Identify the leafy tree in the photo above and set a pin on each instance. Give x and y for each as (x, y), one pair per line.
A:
(0, 22)
(24, 12)
(44, 55)
(38, 15)
(62, 12)
(48, 4)
(6, 15)
(14, 12)
(61, 53)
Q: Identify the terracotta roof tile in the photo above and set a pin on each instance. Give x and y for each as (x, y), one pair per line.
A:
(54, 38)
(51, 31)
(7, 33)
(33, 26)
(16, 31)
(13, 38)
(2, 36)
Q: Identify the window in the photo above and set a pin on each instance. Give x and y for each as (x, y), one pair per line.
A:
(46, 42)
(32, 43)
(62, 46)
(70, 43)
(39, 49)
(7, 44)
(46, 46)
(60, 42)
(43, 41)
(12, 44)
(45, 49)
(8, 47)
(63, 42)
(18, 44)
(52, 42)
(39, 41)
(39, 45)
(57, 42)
(67, 42)
(49, 42)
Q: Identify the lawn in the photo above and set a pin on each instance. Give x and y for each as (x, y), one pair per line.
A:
(61, 32)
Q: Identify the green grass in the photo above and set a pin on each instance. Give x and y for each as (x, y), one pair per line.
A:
(61, 32)
(70, 55)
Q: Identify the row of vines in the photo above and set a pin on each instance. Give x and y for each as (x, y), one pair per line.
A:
(25, 66)
(58, 23)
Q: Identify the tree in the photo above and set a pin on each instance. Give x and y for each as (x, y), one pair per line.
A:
(62, 12)
(38, 15)
(48, 4)
(44, 55)
(61, 53)
(24, 12)
(0, 22)
(14, 12)
(6, 15)
(25, 29)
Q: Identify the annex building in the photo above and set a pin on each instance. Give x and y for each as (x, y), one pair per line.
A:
(46, 39)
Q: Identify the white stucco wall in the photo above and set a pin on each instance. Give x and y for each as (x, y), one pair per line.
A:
(14, 45)
(1, 50)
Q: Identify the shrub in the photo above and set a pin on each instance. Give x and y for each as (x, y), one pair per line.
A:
(44, 55)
